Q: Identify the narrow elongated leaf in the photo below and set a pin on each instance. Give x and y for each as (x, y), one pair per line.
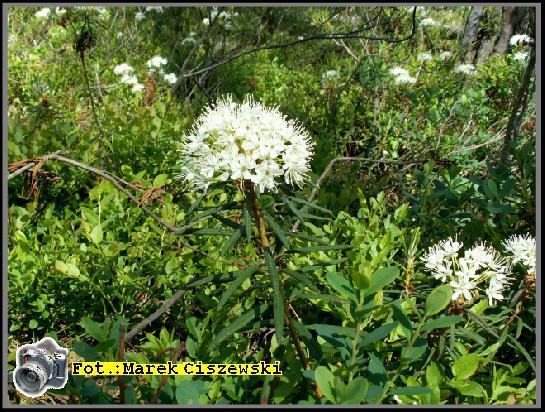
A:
(438, 299)
(231, 242)
(227, 222)
(238, 324)
(304, 236)
(379, 333)
(210, 231)
(311, 205)
(294, 209)
(276, 229)
(197, 202)
(319, 248)
(314, 348)
(278, 301)
(213, 210)
(248, 225)
(441, 322)
(301, 278)
(241, 277)
(314, 217)
(322, 296)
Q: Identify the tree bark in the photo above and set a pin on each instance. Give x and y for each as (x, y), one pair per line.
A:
(510, 17)
(471, 32)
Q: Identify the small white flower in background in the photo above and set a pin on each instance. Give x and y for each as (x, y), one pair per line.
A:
(127, 79)
(301, 38)
(206, 21)
(140, 16)
(330, 78)
(157, 9)
(402, 76)
(465, 68)
(156, 62)
(517, 39)
(423, 57)
(43, 13)
(170, 78)
(523, 251)
(123, 68)
(429, 22)
(445, 55)
(520, 56)
(137, 88)
(102, 11)
(232, 141)
(59, 11)
(119, 34)
(479, 264)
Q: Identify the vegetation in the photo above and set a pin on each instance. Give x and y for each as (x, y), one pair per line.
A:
(390, 275)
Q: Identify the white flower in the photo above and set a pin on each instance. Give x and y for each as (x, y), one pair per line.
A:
(462, 286)
(423, 57)
(248, 141)
(445, 55)
(523, 249)
(170, 78)
(128, 79)
(59, 11)
(206, 21)
(140, 16)
(520, 56)
(119, 34)
(519, 39)
(43, 13)
(465, 68)
(123, 68)
(429, 22)
(156, 62)
(405, 79)
(451, 247)
(301, 38)
(137, 88)
(495, 290)
(156, 9)
(330, 77)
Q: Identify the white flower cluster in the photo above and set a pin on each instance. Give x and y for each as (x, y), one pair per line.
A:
(157, 9)
(330, 78)
(43, 13)
(402, 76)
(520, 56)
(479, 264)
(428, 21)
(523, 250)
(247, 141)
(125, 71)
(445, 55)
(423, 57)
(156, 63)
(140, 16)
(465, 68)
(518, 39)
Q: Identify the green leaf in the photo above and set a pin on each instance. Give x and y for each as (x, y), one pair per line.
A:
(409, 390)
(301, 278)
(304, 236)
(465, 366)
(381, 278)
(319, 248)
(326, 382)
(379, 333)
(434, 377)
(231, 242)
(187, 393)
(479, 308)
(276, 229)
(467, 388)
(247, 225)
(354, 393)
(94, 329)
(86, 351)
(278, 300)
(499, 208)
(438, 299)
(294, 209)
(160, 180)
(96, 234)
(241, 277)
(490, 189)
(238, 324)
(418, 349)
(33, 324)
(441, 322)
(311, 205)
(341, 285)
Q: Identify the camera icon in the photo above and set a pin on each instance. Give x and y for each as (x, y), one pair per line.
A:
(40, 366)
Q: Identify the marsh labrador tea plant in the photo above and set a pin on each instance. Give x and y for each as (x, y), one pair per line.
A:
(348, 191)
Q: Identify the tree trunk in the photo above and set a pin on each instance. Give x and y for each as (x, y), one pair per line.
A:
(471, 31)
(510, 17)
